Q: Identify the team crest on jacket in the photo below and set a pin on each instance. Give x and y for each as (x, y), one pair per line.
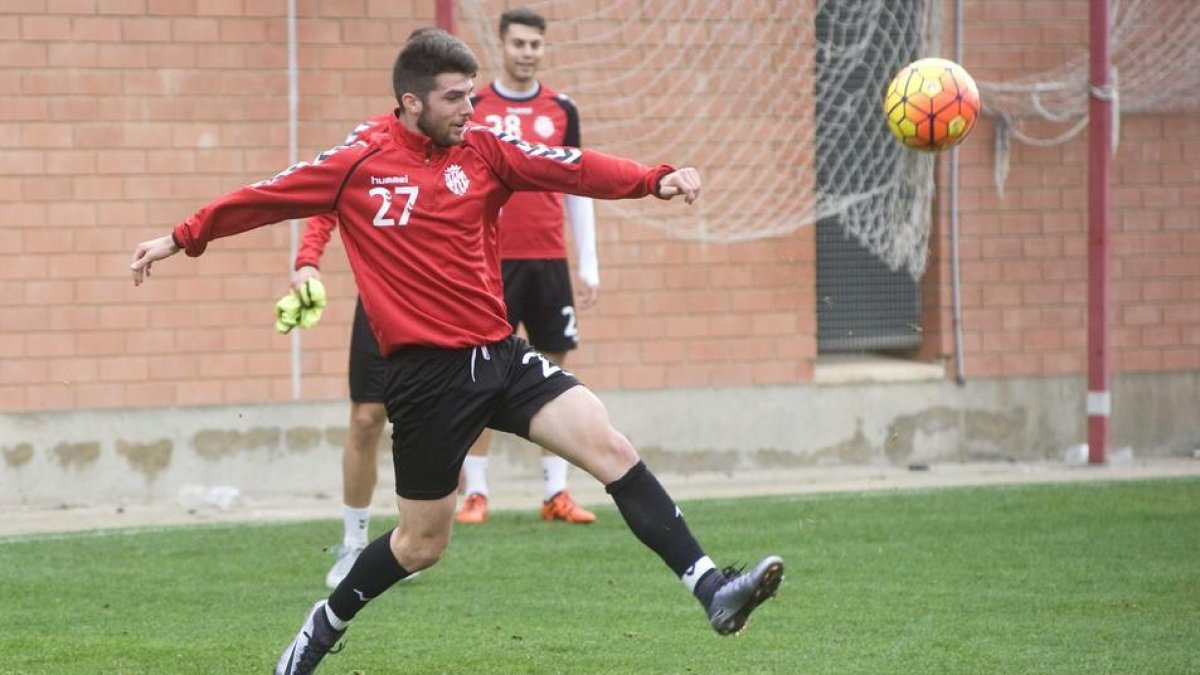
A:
(543, 126)
(456, 180)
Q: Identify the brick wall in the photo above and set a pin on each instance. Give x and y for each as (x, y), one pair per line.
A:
(129, 114)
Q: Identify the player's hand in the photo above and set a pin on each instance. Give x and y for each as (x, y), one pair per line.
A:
(304, 274)
(685, 181)
(147, 252)
(586, 294)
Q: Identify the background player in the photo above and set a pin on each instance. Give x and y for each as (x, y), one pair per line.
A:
(533, 254)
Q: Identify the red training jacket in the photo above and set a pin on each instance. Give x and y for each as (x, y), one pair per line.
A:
(418, 220)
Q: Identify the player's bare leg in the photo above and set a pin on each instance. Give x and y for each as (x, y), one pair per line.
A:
(421, 534)
(359, 475)
(576, 425)
(417, 542)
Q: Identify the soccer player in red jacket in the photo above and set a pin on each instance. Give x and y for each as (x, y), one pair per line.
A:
(418, 207)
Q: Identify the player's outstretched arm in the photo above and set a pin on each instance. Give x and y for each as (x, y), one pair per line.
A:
(685, 181)
(147, 252)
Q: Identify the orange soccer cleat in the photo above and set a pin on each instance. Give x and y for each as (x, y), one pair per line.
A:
(474, 510)
(562, 507)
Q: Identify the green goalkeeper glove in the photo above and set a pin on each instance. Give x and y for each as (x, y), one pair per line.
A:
(312, 302)
(312, 294)
(302, 307)
(287, 313)
(309, 316)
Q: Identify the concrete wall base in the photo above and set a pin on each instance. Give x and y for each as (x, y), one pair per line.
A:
(75, 458)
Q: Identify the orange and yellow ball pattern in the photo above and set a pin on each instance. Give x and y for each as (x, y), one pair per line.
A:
(931, 104)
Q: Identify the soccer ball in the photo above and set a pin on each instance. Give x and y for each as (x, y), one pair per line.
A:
(931, 104)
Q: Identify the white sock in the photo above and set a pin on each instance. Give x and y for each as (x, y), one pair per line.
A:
(334, 621)
(692, 576)
(475, 468)
(355, 522)
(554, 476)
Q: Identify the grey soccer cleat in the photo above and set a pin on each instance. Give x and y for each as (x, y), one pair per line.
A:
(742, 593)
(315, 639)
(346, 555)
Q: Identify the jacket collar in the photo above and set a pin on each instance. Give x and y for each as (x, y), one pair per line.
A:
(414, 141)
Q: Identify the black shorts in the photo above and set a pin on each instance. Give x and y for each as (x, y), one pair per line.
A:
(368, 368)
(538, 294)
(439, 400)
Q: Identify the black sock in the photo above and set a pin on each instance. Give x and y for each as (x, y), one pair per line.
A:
(654, 519)
(375, 571)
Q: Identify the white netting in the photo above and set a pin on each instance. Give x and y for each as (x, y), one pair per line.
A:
(732, 86)
(1156, 69)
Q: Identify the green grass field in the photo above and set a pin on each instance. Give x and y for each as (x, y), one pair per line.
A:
(1075, 578)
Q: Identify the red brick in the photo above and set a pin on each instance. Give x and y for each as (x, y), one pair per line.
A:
(644, 377)
(23, 371)
(68, 371)
(22, 161)
(41, 293)
(121, 6)
(1042, 339)
(200, 392)
(246, 390)
(12, 397)
(123, 56)
(49, 397)
(107, 343)
(1135, 360)
(98, 29)
(49, 344)
(77, 54)
(1181, 359)
(147, 394)
(223, 8)
(776, 372)
(45, 28)
(69, 6)
(1157, 336)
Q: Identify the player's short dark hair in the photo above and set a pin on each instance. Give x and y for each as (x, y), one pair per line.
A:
(523, 16)
(421, 31)
(427, 54)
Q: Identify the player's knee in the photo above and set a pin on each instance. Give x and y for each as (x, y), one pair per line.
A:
(418, 553)
(368, 417)
(618, 447)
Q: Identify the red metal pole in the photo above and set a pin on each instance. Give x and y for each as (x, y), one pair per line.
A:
(444, 13)
(1100, 125)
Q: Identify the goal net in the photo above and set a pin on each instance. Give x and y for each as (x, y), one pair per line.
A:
(777, 101)
(1156, 69)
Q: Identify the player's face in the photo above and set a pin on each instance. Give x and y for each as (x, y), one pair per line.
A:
(524, 47)
(447, 109)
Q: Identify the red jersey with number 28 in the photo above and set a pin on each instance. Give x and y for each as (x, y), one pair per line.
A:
(416, 220)
(531, 223)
